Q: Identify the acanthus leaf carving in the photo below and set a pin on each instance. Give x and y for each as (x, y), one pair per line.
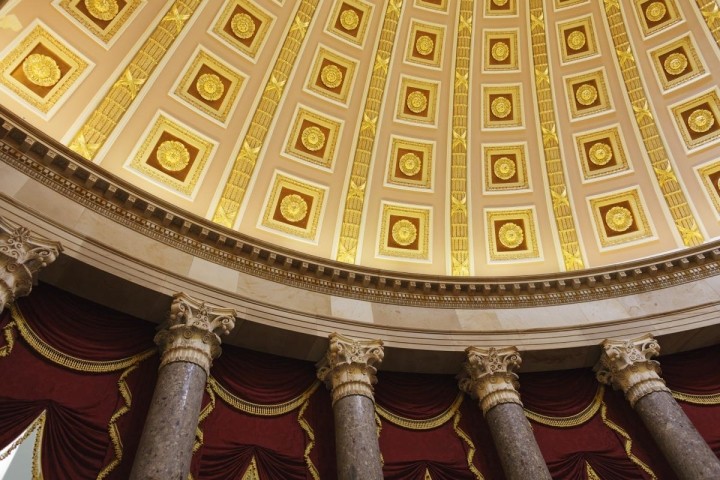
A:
(489, 375)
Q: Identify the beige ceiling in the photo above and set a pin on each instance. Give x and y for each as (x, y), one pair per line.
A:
(486, 137)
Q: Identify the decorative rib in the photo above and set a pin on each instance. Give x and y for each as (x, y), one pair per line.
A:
(360, 170)
(106, 117)
(711, 14)
(564, 219)
(244, 165)
(667, 182)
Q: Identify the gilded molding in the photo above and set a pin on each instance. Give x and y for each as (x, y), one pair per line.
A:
(349, 367)
(116, 103)
(459, 229)
(360, 169)
(489, 376)
(675, 198)
(627, 366)
(233, 193)
(22, 256)
(562, 211)
(192, 332)
(711, 14)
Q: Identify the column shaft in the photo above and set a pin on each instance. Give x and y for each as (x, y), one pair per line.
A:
(681, 444)
(165, 448)
(356, 442)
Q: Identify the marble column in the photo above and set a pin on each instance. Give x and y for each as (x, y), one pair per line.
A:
(627, 366)
(22, 256)
(489, 376)
(349, 370)
(188, 341)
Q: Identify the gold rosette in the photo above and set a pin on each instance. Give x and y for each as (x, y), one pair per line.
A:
(313, 138)
(404, 232)
(349, 19)
(618, 219)
(701, 120)
(41, 70)
(675, 63)
(331, 76)
(655, 11)
(500, 3)
(511, 235)
(501, 107)
(242, 26)
(417, 101)
(102, 9)
(576, 40)
(293, 208)
(600, 153)
(210, 87)
(173, 155)
(504, 168)
(410, 164)
(500, 51)
(586, 94)
(424, 45)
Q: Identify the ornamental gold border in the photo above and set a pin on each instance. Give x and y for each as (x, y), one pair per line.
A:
(106, 36)
(443, 7)
(266, 20)
(437, 53)
(413, 82)
(427, 147)
(513, 91)
(162, 122)
(562, 4)
(711, 191)
(202, 57)
(317, 192)
(632, 195)
(605, 105)
(697, 67)
(586, 22)
(510, 12)
(333, 124)
(531, 254)
(645, 28)
(520, 152)
(38, 33)
(359, 39)
(677, 110)
(323, 53)
(614, 135)
(489, 35)
(422, 214)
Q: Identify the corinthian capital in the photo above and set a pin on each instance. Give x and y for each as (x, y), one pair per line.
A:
(627, 365)
(349, 366)
(489, 375)
(192, 332)
(22, 256)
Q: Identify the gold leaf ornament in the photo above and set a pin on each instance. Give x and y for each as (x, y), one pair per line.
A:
(173, 155)
(504, 168)
(655, 11)
(404, 232)
(293, 208)
(675, 63)
(576, 40)
(500, 51)
(102, 9)
(701, 120)
(349, 19)
(586, 94)
(331, 76)
(242, 26)
(511, 235)
(618, 219)
(600, 153)
(41, 70)
(501, 107)
(417, 101)
(313, 138)
(424, 45)
(410, 164)
(210, 87)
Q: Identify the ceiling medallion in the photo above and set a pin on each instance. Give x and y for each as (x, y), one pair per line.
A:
(504, 168)
(293, 208)
(424, 45)
(501, 107)
(102, 9)
(618, 219)
(500, 3)
(586, 94)
(600, 153)
(41, 70)
(576, 40)
(210, 87)
(410, 164)
(242, 26)
(675, 63)
(511, 235)
(701, 120)
(655, 11)
(417, 101)
(313, 138)
(172, 155)
(349, 19)
(331, 76)
(404, 232)
(500, 51)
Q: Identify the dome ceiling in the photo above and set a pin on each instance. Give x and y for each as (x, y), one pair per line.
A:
(488, 138)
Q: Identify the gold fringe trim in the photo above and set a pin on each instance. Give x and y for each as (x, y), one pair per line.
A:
(258, 409)
(471, 446)
(311, 440)
(426, 424)
(378, 429)
(712, 399)
(573, 420)
(591, 473)
(199, 435)
(68, 361)
(628, 441)
(9, 334)
(39, 425)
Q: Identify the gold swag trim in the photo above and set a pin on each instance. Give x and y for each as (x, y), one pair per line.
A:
(9, 334)
(471, 446)
(426, 424)
(55, 355)
(258, 409)
(310, 439)
(628, 441)
(712, 399)
(573, 420)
